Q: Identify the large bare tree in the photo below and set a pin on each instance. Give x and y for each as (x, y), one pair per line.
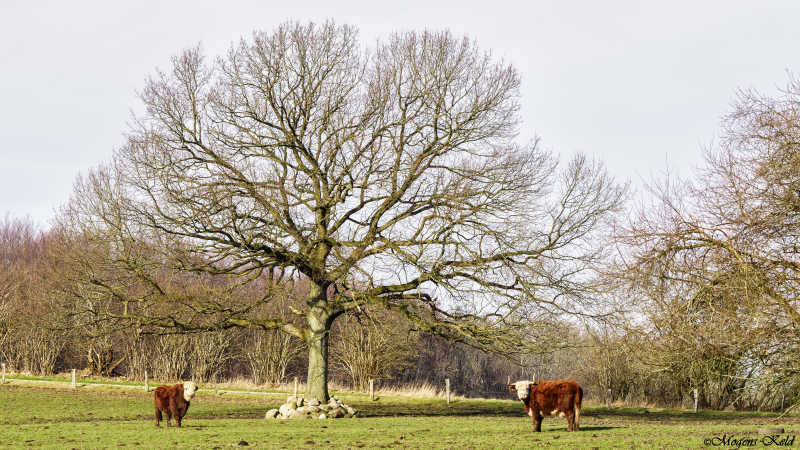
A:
(714, 260)
(385, 176)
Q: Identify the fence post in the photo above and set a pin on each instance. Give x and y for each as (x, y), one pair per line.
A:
(608, 398)
(146, 382)
(372, 389)
(508, 380)
(295, 387)
(447, 389)
(74, 383)
(695, 400)
(783, 396)
(4, 376)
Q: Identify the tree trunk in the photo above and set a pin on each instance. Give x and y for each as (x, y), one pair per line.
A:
(317, 340)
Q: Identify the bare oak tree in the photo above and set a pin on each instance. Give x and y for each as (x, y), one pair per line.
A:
(714, 261)
(387, 177)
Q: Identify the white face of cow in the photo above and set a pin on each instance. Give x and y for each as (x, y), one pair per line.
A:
(522, 388)
(189, 389)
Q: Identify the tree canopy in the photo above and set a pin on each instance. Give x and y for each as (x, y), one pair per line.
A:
(387, 176)
(713, 261)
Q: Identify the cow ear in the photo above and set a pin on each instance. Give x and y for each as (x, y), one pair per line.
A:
(512, 388)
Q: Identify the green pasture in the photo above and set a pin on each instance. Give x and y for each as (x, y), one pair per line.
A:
(34, 416)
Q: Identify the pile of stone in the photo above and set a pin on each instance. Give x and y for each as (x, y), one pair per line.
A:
(299, 408)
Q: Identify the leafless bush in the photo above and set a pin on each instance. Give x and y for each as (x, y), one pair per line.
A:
(171, 356)
(29, 319)
(210, 352)
(137, 356)
(269, 354)
(374, 346)
(38, 350)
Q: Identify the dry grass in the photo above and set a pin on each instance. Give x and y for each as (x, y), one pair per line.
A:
(421, 390)
(416, 391)
(247, 384)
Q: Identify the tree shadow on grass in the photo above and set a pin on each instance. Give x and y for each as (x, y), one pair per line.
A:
(399, 411)
(677, 415)
(501, 409)
(585, 428)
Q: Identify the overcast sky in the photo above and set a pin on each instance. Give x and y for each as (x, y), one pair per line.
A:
(640, 85)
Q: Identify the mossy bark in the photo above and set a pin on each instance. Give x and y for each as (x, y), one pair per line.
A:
(317, 338)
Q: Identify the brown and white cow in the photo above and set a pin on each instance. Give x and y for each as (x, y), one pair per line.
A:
(174, 401)
(550, 398)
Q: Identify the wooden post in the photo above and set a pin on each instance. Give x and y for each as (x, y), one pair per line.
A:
(372, 389)
(295, 387)
(146, 382)
(447, 389)
(74, 381)
(783, 396)
(608, 398)
(508, 380)
(695, 400)
(4, 377)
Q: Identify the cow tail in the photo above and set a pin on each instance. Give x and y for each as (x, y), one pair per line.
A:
(577, 405)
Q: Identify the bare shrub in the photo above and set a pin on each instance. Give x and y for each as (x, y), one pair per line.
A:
(137, 358)
(269, 353)
(171, 356)
(32, 332)
(36, 350)
(374, 346)
(210, 352)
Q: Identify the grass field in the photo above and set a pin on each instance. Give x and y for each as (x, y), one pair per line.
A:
(34, 416)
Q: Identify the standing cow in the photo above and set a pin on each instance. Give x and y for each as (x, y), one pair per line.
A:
(550, 398)
(174, 401)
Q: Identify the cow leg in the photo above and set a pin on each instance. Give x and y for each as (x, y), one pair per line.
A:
(158, 417)
(177, 415)
(537, 422)
(169, 417)
(570, 420)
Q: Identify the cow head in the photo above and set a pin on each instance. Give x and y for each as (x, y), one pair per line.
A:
(189, 389)
(522, 388)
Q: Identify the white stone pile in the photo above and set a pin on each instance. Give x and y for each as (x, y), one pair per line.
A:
(298, 408)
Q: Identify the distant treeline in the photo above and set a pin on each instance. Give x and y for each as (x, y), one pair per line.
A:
(40, 334)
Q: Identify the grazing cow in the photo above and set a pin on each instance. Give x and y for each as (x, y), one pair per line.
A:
(550, 398)
(174, 401)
